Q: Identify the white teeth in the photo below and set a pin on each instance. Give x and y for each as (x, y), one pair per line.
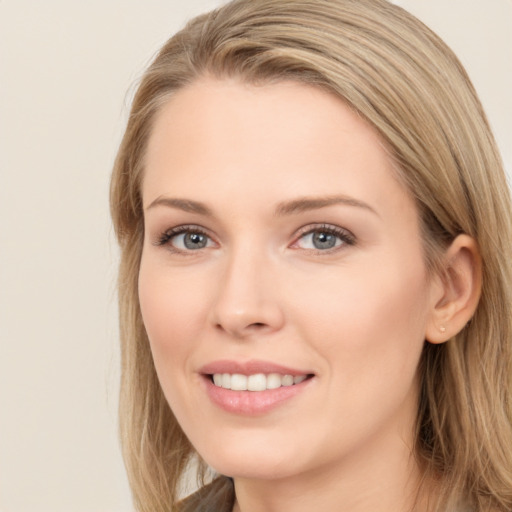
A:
(226, 381)
(273, 381)
(238, 382)
(287, 380)
(255, 382)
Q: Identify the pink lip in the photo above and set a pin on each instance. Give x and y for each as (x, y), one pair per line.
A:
(251, 403)
(249, 368)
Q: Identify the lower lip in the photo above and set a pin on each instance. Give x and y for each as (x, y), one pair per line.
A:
(251, 403)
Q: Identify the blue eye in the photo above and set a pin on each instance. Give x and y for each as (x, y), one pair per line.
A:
(190, 241)
(186, 238)
(325, 238)
(320, 240)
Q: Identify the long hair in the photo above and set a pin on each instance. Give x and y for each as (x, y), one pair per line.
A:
(404, 81)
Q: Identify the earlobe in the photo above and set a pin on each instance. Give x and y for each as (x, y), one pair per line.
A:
(456, 291)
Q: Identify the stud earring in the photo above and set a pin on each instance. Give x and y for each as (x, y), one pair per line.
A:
(442, 328)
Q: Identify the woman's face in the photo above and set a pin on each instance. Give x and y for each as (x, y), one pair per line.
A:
(279, 248)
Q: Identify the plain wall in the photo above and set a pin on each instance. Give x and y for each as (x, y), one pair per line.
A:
(65, 69)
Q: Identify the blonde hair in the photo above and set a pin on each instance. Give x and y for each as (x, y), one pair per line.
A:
(405, 82)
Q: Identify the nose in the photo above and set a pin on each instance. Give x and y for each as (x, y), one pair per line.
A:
(246, 302)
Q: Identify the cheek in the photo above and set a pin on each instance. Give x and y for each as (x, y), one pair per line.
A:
(173, 318)
(171, 313)
(374, 316)
(369, 330)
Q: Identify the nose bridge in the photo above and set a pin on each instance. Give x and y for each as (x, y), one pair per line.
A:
(246, 301)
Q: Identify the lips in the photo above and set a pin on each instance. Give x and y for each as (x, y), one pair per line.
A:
(253, 387)
(249, 368)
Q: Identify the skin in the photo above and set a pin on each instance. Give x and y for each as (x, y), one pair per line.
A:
(356, 316)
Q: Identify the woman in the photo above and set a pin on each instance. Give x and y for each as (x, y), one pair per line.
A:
(315, 281)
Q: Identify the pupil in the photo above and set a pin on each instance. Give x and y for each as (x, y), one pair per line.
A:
(324, 240)
(194, 241)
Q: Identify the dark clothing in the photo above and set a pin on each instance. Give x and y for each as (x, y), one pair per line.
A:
(219, 496)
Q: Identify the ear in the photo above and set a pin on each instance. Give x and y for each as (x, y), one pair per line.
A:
(456, 291)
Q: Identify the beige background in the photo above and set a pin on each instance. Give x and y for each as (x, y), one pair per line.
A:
(65, 71)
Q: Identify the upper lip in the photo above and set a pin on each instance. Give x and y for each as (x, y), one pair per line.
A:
(249, 368)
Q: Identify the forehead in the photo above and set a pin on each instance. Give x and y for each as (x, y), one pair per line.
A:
(227, 139)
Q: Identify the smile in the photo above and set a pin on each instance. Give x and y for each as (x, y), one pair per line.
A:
(255, 387)
(255, 382)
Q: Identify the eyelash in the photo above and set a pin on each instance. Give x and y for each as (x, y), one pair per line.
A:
(346, 237)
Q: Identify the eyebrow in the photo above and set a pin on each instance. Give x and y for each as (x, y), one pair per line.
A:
(314, 203)
(295, 206)
(187, 205)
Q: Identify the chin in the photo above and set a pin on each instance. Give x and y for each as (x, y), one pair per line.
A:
(253, 462)
(257, 470)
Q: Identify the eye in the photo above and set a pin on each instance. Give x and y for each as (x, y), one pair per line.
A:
(324, 238)
(191, 241)
(186, 238)
(319, 240)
